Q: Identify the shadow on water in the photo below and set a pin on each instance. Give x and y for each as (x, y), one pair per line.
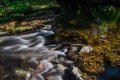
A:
(110, 73)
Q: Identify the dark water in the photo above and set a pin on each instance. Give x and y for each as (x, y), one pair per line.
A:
(32, 49)
(110, 73)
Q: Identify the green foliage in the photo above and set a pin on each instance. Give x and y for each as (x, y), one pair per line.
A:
(19, 71)
(5, 18)
(1, 11)
(9, 8)
(16, 5)
(15, 30)
(19, 6)
(8, 17)
(107, 15)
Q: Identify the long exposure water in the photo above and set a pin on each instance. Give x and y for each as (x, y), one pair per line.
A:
(50, 64)
(31, 47)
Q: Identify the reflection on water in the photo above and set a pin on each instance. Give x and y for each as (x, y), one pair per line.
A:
(110, 73)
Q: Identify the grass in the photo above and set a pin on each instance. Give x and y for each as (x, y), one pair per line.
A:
(108, 16)
(19, 6)
(8, 10)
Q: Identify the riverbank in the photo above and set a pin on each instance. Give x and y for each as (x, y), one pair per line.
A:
(106, 50)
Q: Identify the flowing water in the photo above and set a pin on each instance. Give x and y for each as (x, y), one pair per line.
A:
(50, 64)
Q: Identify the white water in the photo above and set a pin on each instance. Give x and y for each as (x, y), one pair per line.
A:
(32, 48)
